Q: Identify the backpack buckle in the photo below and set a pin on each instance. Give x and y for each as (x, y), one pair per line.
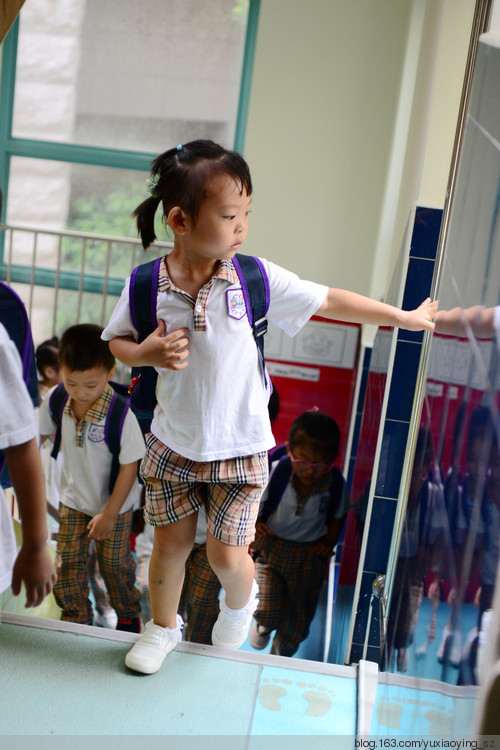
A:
(260, 327)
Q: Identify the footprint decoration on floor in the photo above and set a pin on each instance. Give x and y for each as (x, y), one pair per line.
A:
(272, 696)
(438, 718)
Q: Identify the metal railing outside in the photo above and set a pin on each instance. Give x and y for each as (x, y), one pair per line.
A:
(35, 257)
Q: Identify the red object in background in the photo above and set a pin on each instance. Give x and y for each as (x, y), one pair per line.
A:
(317, 368)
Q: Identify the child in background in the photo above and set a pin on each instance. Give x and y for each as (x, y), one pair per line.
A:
(49, 375)
(211, 431)
(300, 519)
(87, 510)
(18, 439)
(47, 364)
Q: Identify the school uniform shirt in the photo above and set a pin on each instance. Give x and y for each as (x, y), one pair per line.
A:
(17, 426)
(311, 524)
(216, 407)
(86, 459)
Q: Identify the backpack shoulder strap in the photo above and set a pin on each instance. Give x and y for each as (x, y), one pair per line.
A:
(255, 288)
(276, 487)
(113, 427)
(336, 491)
(57, 402)
(15, 319)
(143, 291)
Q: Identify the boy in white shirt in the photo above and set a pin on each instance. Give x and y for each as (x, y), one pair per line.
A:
(87, 509)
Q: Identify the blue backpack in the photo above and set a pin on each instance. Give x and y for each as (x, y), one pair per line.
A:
(14, 317)
(281, 477)
(143, 292)
(113, 424)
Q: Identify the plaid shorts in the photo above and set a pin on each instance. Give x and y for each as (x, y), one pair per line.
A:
(229, 490)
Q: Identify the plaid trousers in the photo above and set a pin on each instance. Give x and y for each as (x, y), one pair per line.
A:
(290, 580)
(115, 560)
(199, 604)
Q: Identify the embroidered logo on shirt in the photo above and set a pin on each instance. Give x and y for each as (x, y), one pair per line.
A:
(96, 433)
(235, 304)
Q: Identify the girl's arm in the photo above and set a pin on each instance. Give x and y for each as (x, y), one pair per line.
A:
(101, 526)
(341, 304)
(159, 349)
(455, 322)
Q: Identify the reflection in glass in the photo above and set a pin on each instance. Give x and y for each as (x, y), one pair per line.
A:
(460, 415)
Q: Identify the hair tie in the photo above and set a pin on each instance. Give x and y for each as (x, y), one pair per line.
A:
(179, 147)
(152, 185)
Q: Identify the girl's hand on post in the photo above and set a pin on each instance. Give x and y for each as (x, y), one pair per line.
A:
(421, 318)
(167, 350)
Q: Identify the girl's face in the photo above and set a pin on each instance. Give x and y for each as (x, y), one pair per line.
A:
(222, 223)
(310, 460)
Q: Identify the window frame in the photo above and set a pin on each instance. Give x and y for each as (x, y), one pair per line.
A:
(89, 155)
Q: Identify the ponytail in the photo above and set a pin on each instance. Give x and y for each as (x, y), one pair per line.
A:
(145, 219)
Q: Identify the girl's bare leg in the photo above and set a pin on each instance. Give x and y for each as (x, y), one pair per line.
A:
(171, 548)
(234, 568)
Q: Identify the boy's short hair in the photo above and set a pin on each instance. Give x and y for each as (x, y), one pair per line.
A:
(318, 427)
(82, 348)
(47, 354)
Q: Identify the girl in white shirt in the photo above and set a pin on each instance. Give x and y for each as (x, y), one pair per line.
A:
(211, 432)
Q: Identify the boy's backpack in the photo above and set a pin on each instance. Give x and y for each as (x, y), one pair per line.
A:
(14, 317)
(113, 425)
(280, 479)
(143, 292)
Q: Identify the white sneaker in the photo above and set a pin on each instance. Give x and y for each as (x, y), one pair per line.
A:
(257, 637)
(232, 625)
(149, 651)
(452, 642)
(106, 619)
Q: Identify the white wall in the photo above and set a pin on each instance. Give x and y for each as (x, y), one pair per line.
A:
(495, 18)
(323, 110)
(325, 102)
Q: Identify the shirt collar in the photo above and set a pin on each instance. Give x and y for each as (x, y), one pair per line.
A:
(99, 408)
(225, 270)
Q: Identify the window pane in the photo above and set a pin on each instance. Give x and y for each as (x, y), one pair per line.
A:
(139, 76)
(56, 195)
(48, 195)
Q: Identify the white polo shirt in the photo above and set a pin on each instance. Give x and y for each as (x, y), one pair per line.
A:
(216, 407)
(312, 524)
(86, 469)
(17, 426)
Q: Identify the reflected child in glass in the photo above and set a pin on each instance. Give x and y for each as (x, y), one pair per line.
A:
(419, 555)
(211, 431)
(301, 515)
(464, 498)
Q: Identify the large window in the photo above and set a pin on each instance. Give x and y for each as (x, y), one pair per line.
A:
(91, 91)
